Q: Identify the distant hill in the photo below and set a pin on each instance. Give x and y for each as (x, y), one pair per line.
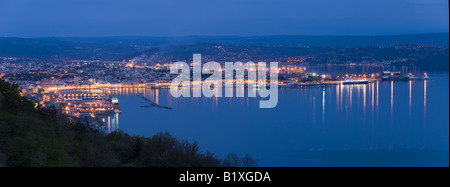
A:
(46, 48)
(120, 47)
(437, 39)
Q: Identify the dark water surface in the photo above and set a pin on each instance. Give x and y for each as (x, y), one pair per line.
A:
(384, 123)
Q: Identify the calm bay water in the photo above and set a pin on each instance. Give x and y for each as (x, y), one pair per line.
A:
(384, 123)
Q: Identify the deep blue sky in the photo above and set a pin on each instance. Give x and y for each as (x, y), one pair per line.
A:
(36, 18)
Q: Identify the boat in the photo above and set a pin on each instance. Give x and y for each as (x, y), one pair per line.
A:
(391, 72)
(351, 81)
(115, 102)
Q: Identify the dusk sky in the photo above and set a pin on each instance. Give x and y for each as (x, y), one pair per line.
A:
(80, 18)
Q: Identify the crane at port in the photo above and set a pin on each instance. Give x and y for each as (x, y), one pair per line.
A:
(151, 103)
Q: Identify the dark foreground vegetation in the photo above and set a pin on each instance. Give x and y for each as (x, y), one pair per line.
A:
(33, 136)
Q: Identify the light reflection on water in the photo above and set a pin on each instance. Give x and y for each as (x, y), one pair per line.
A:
(111, 122)
(383, 123)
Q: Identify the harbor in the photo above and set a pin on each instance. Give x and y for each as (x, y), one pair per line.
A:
(91, 104)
